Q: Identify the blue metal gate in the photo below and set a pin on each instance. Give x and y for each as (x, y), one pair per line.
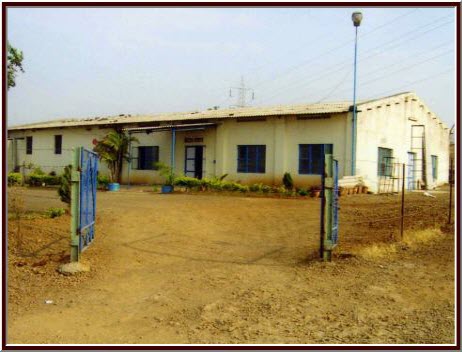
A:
(88, 166)
(335, 206)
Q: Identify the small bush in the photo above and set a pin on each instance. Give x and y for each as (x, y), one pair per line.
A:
(302, 192)
(255, 187)
(155, 189)
(52, 173)
(188, 182)
(55, 212)
(14, 178)
(102, 181)
(37, 180)
(265, 189)
(64, 190)
(288, 181)
(38, 171)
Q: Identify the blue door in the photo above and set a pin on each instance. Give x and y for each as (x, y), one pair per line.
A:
(410, 171)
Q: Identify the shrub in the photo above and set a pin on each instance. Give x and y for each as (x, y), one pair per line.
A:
(43, 180)
(55, 212)
(302, 192)
(38, 171)
(155, 189)
(14, 178)
(255, 187)
(188, 182)
(288, 181)
(64, 190)
(102, 181)
(167, 172)
(265, 189)
(52, 173)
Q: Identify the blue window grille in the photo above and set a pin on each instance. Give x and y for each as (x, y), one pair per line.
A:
(29, 145)
(58, 143)
(311, 158)
(384, 162)
(147, 158)
(251, 158)
(434, 167)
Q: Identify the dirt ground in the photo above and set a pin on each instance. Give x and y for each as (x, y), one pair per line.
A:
(213, 269)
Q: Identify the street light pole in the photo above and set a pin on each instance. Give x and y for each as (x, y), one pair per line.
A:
(356, 17)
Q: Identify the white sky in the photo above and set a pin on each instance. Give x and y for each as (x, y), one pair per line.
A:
(95, 62)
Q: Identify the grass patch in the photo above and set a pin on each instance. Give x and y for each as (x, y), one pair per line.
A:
(378, 251)
(414, 238)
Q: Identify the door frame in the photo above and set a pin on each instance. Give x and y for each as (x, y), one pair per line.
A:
(411, 171)
(186, 159)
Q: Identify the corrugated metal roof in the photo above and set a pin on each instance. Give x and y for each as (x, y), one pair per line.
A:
(278, 110)
(304, 109)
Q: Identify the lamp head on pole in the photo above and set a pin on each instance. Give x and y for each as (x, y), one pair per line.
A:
(357, 17)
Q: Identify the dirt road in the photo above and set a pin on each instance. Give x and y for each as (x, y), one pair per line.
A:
(215, 269)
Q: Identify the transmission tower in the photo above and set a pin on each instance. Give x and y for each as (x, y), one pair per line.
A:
(242, 93)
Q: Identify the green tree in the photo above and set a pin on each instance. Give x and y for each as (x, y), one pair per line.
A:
(113, 149)
(64, 190)
(14, 65)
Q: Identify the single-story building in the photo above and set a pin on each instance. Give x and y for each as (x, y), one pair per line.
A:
(258, 144)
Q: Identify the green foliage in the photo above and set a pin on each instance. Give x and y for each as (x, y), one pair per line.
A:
(64, 190)
(167, 172)
(102, 181)
(14, 64)
(37, 180)
(260, 188)
(287, 181)
(302, 192)
(55, 212)
(38, 171)
(188, 182)
(155, 189)
(113, 149)
(14, 178)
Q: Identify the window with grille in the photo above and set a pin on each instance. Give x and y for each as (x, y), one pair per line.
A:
(146, 159)
(311, 158)
(434, 167)
(251, 158)
(385, 162)
(29, 145)
(58, 143)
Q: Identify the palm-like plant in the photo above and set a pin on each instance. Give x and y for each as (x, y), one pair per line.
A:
(113, 149)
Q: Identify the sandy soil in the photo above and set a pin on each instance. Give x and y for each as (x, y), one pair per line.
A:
(219, 269)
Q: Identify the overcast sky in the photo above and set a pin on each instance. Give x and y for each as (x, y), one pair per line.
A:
(96, 62)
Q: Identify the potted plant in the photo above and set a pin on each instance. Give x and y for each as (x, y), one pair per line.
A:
(315, 191)
(113, 149)
(167, 172)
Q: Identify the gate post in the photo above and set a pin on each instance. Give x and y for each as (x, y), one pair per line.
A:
(328, 189)
(75, 201)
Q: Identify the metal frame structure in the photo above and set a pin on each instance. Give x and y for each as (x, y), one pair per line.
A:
(83, 200)
(329, 207)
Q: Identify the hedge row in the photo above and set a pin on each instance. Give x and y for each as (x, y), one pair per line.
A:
(220, 185)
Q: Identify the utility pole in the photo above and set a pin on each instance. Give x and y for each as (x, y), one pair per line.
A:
(242, 93)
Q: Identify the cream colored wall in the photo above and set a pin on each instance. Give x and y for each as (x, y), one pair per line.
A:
(386, 124)
(43, 154)
(163, 140)
(282, 136)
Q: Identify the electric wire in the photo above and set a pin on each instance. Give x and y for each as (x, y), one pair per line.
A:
(346, 63)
